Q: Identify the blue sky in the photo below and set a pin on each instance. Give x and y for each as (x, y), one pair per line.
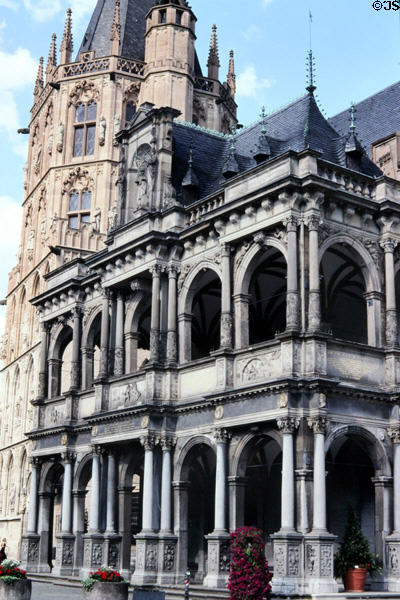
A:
(357, 51)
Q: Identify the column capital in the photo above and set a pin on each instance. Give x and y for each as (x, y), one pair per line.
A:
(313, 222)
(226, 250)
(173, 271)
(167, 443)
(35, 461)
(388, 245)
(77, 312)
(98, 450)
(222, 436)
(291, 223)
(68, 457)
(156, 270)
(288, 424)
(318, 424)
(106, 293)
(149, 442)
(394, 433)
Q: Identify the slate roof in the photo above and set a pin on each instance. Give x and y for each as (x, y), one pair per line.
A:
(377, 116)
(133, 28)
(298, 126)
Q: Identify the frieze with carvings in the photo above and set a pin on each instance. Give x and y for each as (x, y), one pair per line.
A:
(258, 368)
(77, 179)
(54, 415)
(84, 91)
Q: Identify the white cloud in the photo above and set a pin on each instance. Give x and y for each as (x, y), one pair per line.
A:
(42, 10)
(18, 72)
(250, 85)
(251, 32)
(81, 9)
(3, 26)
(267, 2)
(9, 4)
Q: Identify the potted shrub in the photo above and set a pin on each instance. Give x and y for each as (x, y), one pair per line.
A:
(14, 584)
(105, 583)
(354, 558)
(249, 577)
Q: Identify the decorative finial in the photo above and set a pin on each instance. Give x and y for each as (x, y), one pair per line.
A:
(52, 59)
(231, 166)
(190, 182)
(115, 37)
(231, 79)
(352, 119)
(67, 45)
(213, 63)
(262, 151)
(310, 62)
(353, 147)
(39, 83)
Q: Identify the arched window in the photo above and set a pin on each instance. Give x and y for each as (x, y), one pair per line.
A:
(79, 208)
(130, 111)
(85, 129)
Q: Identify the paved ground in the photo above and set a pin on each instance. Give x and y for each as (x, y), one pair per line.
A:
(48, 591)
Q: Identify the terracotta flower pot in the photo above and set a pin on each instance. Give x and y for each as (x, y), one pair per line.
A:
(107, 591)
(19, 590)
(354, 580)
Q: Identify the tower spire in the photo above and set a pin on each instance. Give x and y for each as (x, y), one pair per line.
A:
(311, 73)
(67, 45)
(52, 59)
(231, 79)
(115, 37)
(213, 56)
(39, 83)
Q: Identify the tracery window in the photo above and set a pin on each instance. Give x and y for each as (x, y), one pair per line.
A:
(80, 203)
(85, 129)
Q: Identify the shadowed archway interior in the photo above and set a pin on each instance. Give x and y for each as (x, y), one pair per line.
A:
(206, 311)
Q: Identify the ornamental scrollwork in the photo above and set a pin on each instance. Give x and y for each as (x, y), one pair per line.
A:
(84, 91)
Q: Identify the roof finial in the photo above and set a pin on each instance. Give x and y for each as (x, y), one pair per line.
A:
(213, 56)
(39, 83)
(353, 147)
(352, 119)
(67, 45)
(115, 36)
(231, 166)
(231, 79)
(190, 182)
(52, 59)
(262, 151)
(310, 62)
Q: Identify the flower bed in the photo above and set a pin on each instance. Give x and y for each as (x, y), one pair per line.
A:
(249, 577)
(105, 583)
(14, 584)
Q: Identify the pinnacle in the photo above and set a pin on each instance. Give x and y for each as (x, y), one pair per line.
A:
(116, 24)
(231, 79)
(213, 57)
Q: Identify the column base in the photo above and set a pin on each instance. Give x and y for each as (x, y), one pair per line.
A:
(166, 558)
(30, 552)
(392, 545)
(318, 560)
(288, 563)
(93, 553)
(64, 554)
(112, 549)
(218, 560)
(146, 559)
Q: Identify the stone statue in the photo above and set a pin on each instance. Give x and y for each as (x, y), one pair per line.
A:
(96, 220)
(60, 137)
(25, 169)
(3, 346)
(112, 217)
(117, 127)
(50, 141)
(169, 195)
(102, 131)
(31, 241)
(142, 197)
(37, 159)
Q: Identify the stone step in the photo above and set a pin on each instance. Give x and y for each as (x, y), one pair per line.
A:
(197, 592)
(358, 596)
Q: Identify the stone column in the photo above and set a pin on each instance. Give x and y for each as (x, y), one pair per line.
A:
(78, 527)
(147, 559)
(54, 372)
(168, 541)
(105, 334)
(389, 246)
(94, 521)
(288, 549)
(172, 349)
(65, 540)
(93, 553)
(112, 547)
(40, 552)
(314, 303)
(318, 425)
(76, 348)
(302, 476)
(393, 540)
(218, 540)
(292, 293)
(237, 491)
(383, 492)
(226, 298)
(119, 359)
(87, 368)
(43, 373)
(155, 315)
(30, 541)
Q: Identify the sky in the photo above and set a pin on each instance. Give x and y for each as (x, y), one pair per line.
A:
(356, 48)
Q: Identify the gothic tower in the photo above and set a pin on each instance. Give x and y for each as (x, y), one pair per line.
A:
(133, 51)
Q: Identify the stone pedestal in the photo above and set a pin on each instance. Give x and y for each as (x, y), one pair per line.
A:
(393, 562)
(146, 559)
(167, 559)
(64, 555)
(318, 560)
(112, 550)
(93, 553)
(30, 553)
(218, 560)
(288, 563)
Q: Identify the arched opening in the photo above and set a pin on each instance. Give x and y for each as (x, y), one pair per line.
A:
(349, 482)
(50, 513)
(131, 514)
(343, 305)
(267, 291)
(143, 342)
(82, 496)
(91, 354)
(199, 472)
(262, 467)
(206, 314)
(66, 364)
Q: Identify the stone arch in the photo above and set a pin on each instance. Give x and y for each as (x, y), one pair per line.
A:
(184, 451)
(50, 491)
(200, 328)
(60, 350)
(260, 262)
(137, 331)
(238, 455)
(82, 476)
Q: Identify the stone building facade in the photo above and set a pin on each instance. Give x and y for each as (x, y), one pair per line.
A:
(71, 177)
(217, 320)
